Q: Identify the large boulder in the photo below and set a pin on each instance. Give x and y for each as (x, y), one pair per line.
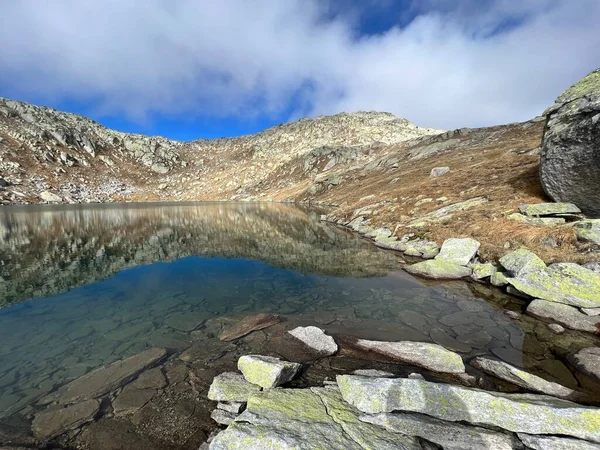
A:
(570, 159)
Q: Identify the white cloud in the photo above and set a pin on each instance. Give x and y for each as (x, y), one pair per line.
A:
(243, 58)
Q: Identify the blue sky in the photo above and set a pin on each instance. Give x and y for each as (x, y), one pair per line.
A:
(188, 69)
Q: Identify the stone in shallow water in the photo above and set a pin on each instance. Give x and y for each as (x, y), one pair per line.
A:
(314, 418)
(563, 314)
(231, 387)
(439, 269)
(566, 283)
(187, 321)
(248, 325)
(316, 339)
(476, 339)
(555, 443)
(445, 340)
(521, 262)
(524, 379)
(53, 422)
(131, 400)
(588, 361)
(429, 356)
(267, 371)
(450, 436)
(153, 378)
(107, 379)
(459, 251)
(524, 413)
(549, 209)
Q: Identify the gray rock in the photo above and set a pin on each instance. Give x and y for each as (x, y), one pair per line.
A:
(563, 314)
(267, 371)
(315, 418)
(55, 421)
(567, 283)
(521, 413)
(131, 400)
(159, 168)
(556, 328)
(588, 230)
(481, 271)
(591, 311)
(49, 197)
(587, 361)
(570, 162)
(543, 221)
(476, 339)
(231, 387)
(429, 356)
(498, 279)
(421, 248)
(549, 209)
(458, 251)
(153, 378)
(439, 171)
(446, 212)
(594, 266)
(526, 380)
(555, 443)
(232, 407)
(439, 269)
(223, 417)
(448, 435)
(445, 340)
(373, 373)
(521, 262)
(316, 339)
(106, 379)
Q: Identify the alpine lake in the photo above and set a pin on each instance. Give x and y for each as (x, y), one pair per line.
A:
(84, 286)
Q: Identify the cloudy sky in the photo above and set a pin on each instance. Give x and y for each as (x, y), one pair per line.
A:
(194, 68)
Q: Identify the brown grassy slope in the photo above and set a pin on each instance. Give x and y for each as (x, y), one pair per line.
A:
(501, 167)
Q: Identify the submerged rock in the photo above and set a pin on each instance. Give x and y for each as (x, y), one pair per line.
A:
(231, 387)
(459, 251)
(523, 413)
(131, 400)
(249, 324)
(448, 435)
(316, 339)
(565, 315)
(567, 283)
(439, 269)
(570, 161)
(429, 356)
(267, 371)
(54, 421)
(524, 379)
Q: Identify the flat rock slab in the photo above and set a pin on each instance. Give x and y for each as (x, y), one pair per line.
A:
(567, 283)
(541, 221)
(459, 251)
(106, 379)
(588, 230)
(526, 380)
(587, 360)
(446, 212)
(421, 248)
(249, 324)
(153, 378)
(522, 413)
(53, 422)
(131, 400)
(481, 271)
(316, 339)
(521, 262)
(231, 387)
(548, 209)
(448, 435)
(429, 356)
(187, 321)
(565, 315)
(314, 418)
(267, 371)
(439, 269)
(555, 443)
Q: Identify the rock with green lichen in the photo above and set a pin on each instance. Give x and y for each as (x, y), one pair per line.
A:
(542, 221)
(422, 354)
(567, 283)
(448, 435)
(498, 279)
(526, 380)
(522, 413)
(588, 230)
(459, 251)
(439, 269)
(445, 213)
(421, 248)
(316, 418)
(231, 387)
(570, 160)
(267, 371)
(565, 315)
(481, 271)
(548, 209)
(522, 261)
(555, 443)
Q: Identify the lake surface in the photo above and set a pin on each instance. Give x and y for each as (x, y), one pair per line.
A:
(84, 286)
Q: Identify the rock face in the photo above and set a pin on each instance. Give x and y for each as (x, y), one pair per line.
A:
(429, 356)
(570, 159)
(266, 371)
(316, 339)
(521, 413)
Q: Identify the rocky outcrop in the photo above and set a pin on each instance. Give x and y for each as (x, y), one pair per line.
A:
(570, 160)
